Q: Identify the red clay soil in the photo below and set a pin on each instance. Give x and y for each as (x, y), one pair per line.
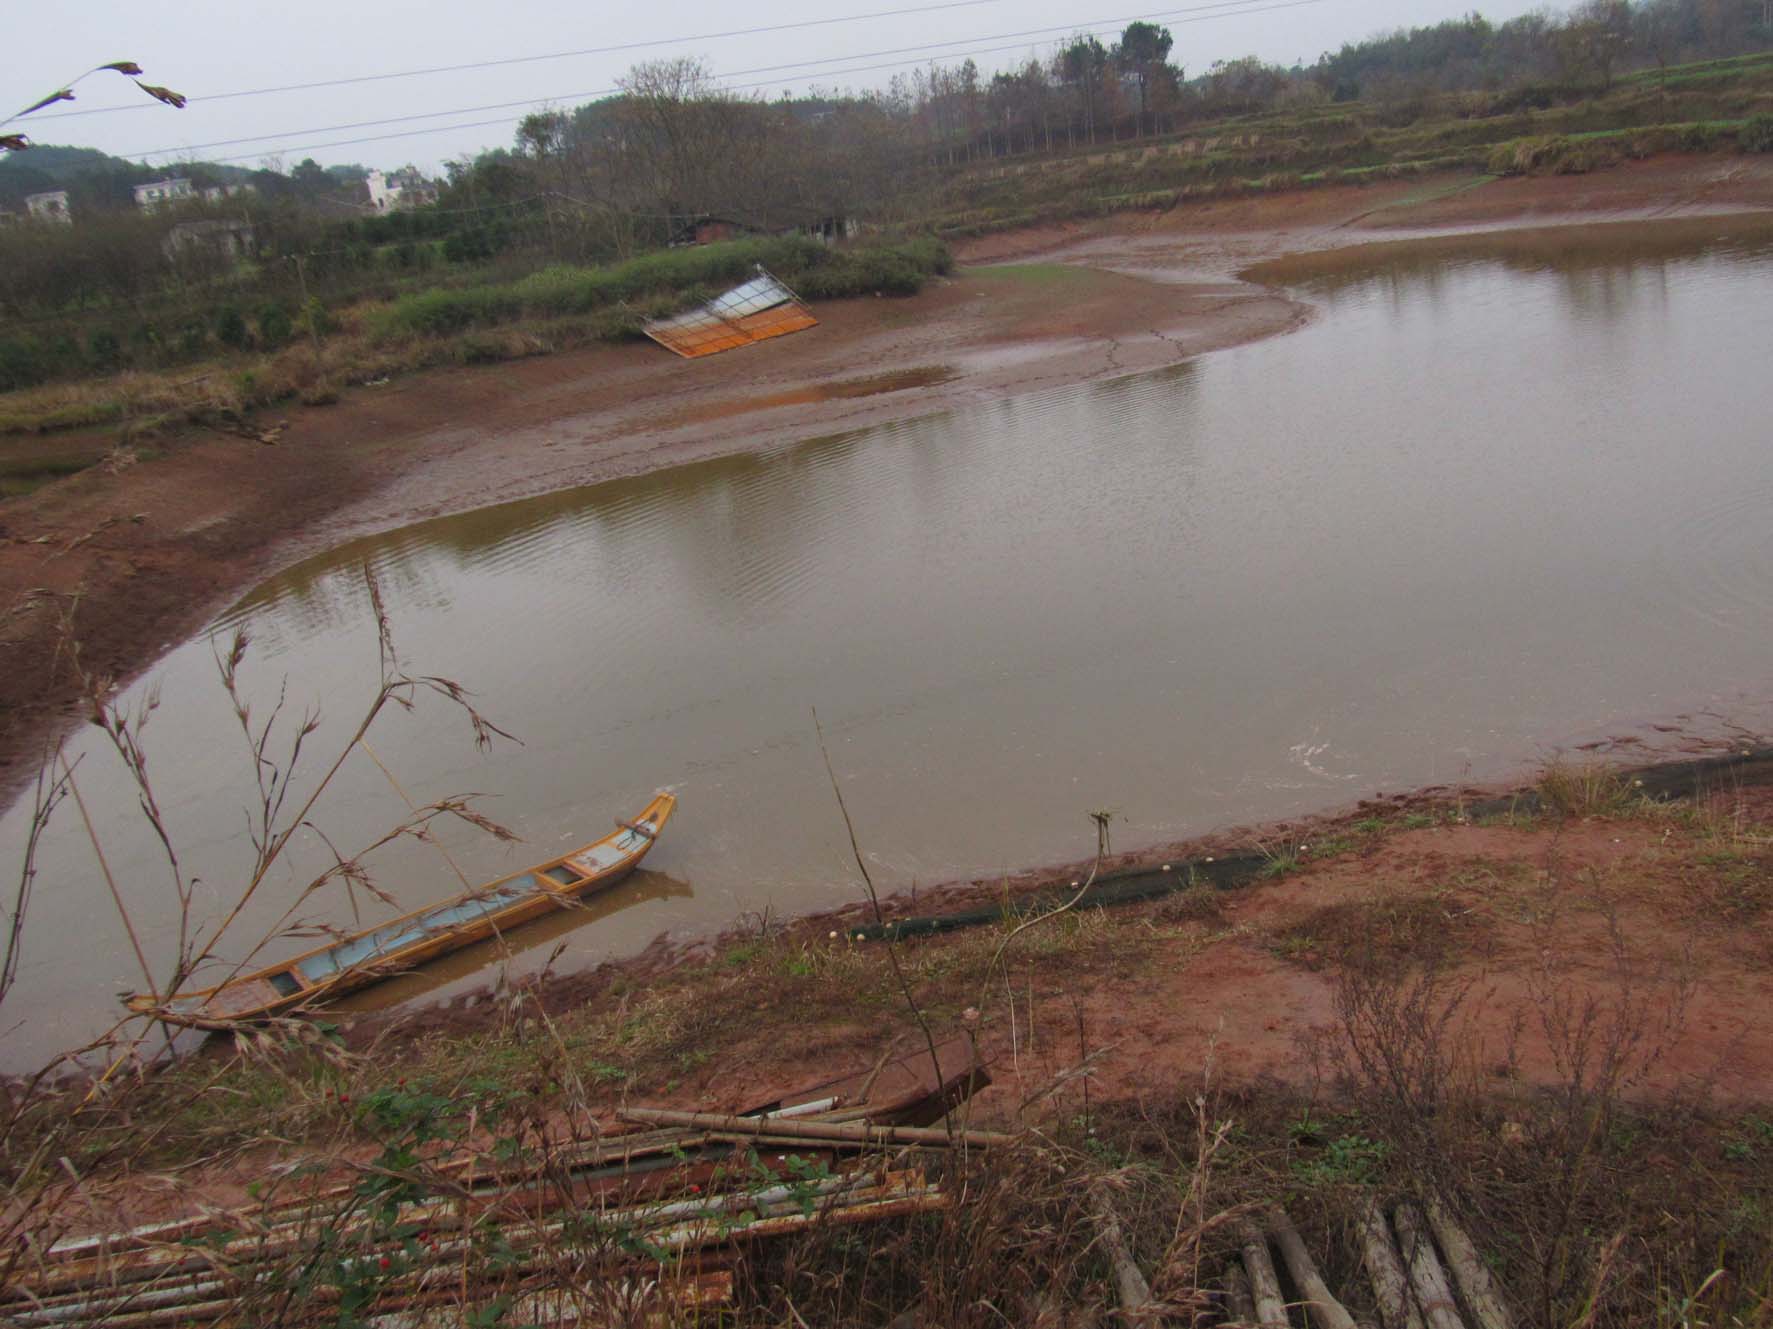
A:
(1631, 917)
(1660, 923)
(141, 553)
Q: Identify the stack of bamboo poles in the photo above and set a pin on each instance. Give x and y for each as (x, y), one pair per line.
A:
(666, 1217)
(1411, 1286)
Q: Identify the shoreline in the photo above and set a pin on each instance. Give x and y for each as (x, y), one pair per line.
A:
(1226, 860)
(142, 552)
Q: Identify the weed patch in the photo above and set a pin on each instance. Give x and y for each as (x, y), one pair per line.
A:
(1387, 933)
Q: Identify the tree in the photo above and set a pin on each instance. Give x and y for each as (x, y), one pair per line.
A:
(1594, 38)
(1142, 52)
(1081, 63)
(310, 179)
(543, 134)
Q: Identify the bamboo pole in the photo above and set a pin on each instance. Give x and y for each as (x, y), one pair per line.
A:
(778, 1211)
(164, 1265)
(1475, 1284)
(799, 1128)
(1325, 1309)
(1271, 1306)
(610, 1149)
(1427, 1278)
(1391, 1287)
(1129, 1284)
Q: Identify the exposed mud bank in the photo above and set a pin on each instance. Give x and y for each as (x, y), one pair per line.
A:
(1619, 884)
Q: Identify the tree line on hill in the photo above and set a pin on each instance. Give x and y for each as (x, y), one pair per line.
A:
(99, 183)
(624, 172)
(674, 156)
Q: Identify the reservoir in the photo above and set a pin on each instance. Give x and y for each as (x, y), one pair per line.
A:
(1489, 504)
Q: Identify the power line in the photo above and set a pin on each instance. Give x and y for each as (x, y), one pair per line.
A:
(1236, 8)
(551, 55)
(1088, 25)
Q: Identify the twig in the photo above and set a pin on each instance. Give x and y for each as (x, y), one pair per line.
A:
(455, 867)
(110, 881)
(1065, 1077)
(1067, 907)
(917, 1014)
(49, 792)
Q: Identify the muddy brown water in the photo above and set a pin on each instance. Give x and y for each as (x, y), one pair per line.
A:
(1482, 507)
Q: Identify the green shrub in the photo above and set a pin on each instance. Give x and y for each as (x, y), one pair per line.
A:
(24, 363)
(103, 350)
(231, 329)
(316, 319)
(1552, 154)
(276, 326)
(685, 275)
(1699, 138)
(476, 244)
(191, 339)
(1756, 134)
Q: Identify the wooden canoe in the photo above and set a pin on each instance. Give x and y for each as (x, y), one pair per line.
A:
(401, 943)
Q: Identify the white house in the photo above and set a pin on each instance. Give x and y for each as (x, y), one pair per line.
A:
(392, 190)
(50, 206)
(161, 193)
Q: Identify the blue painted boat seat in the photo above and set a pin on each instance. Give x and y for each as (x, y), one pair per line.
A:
(396, 935)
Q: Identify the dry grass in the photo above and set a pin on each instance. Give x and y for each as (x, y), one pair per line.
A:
(1386, 932)
(1592, 1203)
(1588, 789)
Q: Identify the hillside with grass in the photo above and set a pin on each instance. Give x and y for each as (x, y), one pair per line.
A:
(1711, 106)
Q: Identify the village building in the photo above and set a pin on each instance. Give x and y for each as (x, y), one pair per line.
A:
(163, 193)
(227, 237)
(703, 229)
(49, 206)
(390, 191)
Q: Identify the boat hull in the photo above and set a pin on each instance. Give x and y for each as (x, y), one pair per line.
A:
(403, 943)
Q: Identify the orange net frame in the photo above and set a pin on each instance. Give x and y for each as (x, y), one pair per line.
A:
(753, 311)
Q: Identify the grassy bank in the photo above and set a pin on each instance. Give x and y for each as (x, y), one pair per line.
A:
(665, 282)
(1511, 1000)
(554, 309)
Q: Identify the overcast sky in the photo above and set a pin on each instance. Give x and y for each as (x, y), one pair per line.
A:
(207, 49)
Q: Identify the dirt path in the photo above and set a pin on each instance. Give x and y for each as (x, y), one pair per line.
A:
(138, 554)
